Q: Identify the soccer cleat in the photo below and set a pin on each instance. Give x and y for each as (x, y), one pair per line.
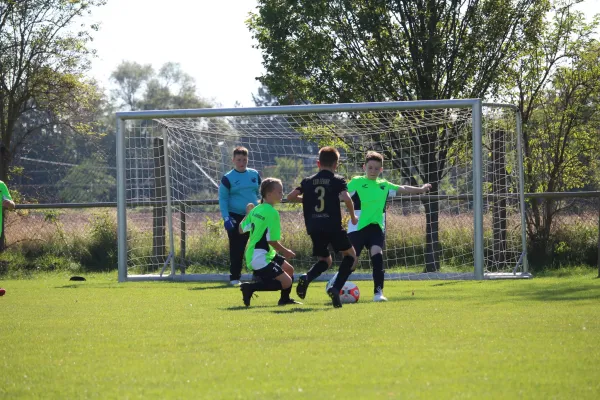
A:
(379, 297)
(334, 294)
(285, 302)
(235, 282)
(247, 293)
(302, 286)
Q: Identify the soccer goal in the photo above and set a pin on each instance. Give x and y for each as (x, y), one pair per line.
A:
(470, 226)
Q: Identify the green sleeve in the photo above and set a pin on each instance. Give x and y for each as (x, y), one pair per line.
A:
(247, 225)
(352, 185)
(274, 226)
(4, 191)
(392, 186)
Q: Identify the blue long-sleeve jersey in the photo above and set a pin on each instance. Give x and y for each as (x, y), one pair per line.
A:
(237, 189)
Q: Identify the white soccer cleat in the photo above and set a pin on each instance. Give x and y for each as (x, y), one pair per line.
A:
(379, 297)
(235, 283)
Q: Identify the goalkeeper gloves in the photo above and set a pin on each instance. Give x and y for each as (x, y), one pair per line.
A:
(229, 223)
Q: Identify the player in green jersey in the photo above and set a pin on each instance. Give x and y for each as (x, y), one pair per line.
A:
(271, 269)
(369, 194)
(7, 202)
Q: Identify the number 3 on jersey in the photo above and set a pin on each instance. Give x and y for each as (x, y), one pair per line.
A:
(320, 191)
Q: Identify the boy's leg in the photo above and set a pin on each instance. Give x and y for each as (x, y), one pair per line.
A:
(375, 244)
(324, 262)
(270, 281)
(378, 271)
(237, 245)
(285, 291)
(348, 264)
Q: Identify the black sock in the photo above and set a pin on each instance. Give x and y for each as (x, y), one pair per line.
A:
(285, 293)
(270, 285)
(377, 261)
(316, 270)
(344, 272)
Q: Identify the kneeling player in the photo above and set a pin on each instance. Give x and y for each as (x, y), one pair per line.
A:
(263, 223)
(320, 195)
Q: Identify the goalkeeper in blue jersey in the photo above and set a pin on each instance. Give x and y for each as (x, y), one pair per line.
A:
(238, 187)
(265, 255)
(7, 202)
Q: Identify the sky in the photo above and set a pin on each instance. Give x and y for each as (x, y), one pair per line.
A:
(207, 37)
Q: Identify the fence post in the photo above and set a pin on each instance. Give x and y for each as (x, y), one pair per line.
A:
(598, 236)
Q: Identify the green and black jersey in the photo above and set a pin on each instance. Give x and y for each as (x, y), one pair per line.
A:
(369, 197)
(264, 225)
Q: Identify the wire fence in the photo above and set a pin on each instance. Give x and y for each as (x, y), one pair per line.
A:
(568, 223)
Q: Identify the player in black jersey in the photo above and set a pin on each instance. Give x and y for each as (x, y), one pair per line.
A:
(320, 195)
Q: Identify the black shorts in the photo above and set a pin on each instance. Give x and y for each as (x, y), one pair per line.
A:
(339, 241)
(369, 236)
(271, 271)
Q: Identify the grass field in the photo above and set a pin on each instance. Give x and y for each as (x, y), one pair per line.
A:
(492, 339)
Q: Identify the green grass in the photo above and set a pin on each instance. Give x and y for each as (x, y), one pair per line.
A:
(492, 339)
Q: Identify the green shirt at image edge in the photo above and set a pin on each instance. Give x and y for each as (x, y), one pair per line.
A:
(5, 196)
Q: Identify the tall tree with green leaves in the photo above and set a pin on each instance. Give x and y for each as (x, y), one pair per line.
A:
(330, 51)
(130, 78)
(43, 61)
(140, 87)
(555, 81)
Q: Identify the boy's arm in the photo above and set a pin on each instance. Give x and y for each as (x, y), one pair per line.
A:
(345, 197)
(413, 189)
(274, 235)
(224, 197)
(295, 196)
(7, 201)
(242, 228)
(228, 222)
(285, 252)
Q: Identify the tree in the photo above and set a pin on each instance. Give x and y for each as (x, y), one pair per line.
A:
(90, 181)
(130, 78)
(555, 81)
(380, 50)
(139, 87)
(43, 58)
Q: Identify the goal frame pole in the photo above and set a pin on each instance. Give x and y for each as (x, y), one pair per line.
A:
(477, 111)
(121, 202)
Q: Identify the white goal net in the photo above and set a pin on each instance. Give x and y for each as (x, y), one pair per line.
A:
(468, 226)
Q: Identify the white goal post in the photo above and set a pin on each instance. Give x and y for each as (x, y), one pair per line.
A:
(471, 226)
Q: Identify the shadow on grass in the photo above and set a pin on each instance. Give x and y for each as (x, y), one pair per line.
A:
(295, 310)
(583, 292)
(223, 286)
(446, 283)
(88, 287)
(242, 307)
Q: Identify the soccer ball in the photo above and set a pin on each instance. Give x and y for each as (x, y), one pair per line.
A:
(349, 293)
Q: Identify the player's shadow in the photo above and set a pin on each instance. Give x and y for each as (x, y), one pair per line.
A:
(238, 308)
(447, 283)
(222, 286)
(83, 285)
(583, 292)
(295, 310)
